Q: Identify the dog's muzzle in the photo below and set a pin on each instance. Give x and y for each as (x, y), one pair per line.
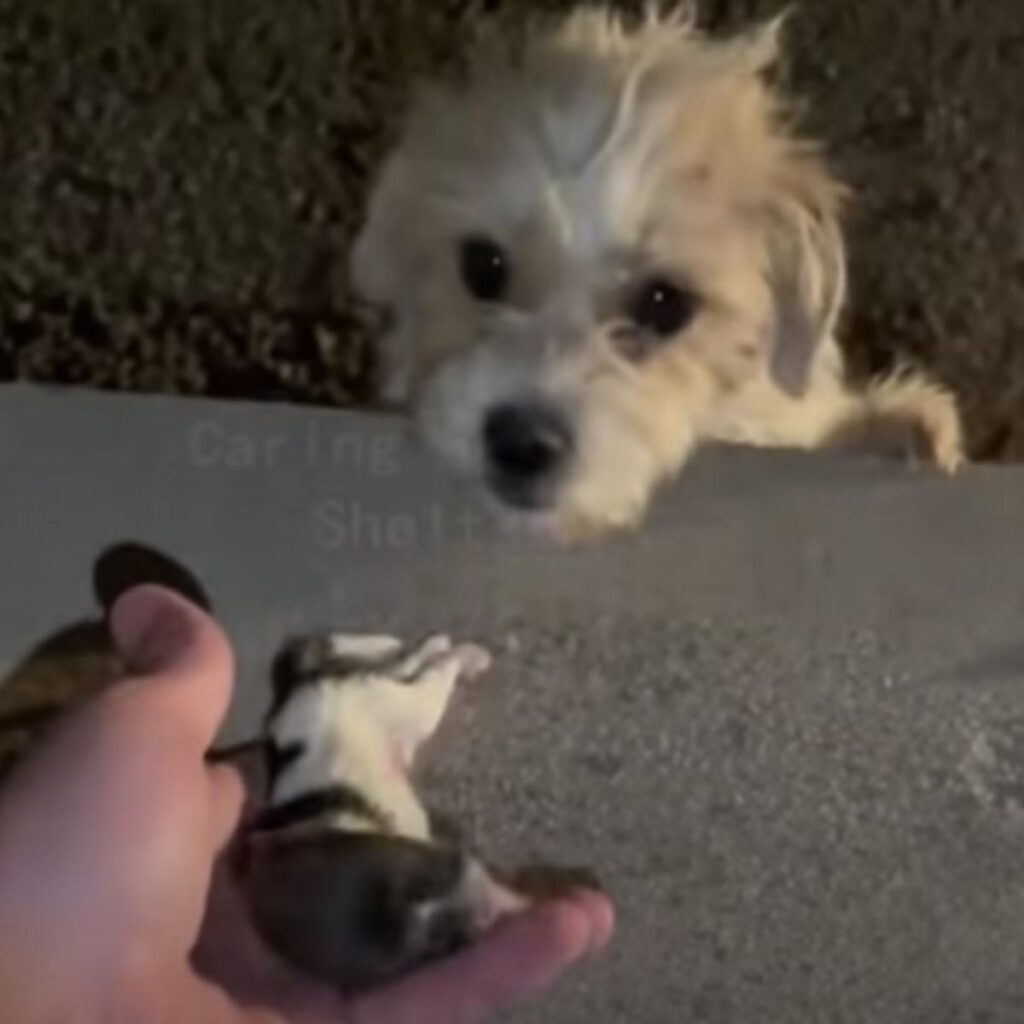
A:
(528, 446)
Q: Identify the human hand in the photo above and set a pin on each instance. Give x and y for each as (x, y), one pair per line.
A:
(113, 904)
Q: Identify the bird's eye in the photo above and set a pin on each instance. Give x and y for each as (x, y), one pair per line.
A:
(661, 307)
(484, 268)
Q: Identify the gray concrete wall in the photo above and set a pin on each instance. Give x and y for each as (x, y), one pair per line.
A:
(784, 721)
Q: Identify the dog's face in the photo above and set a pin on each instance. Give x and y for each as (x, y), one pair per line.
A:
(585, 250)
(360, 908)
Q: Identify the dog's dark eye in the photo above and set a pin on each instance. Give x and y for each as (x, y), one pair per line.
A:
(661, 307)
(484, 269)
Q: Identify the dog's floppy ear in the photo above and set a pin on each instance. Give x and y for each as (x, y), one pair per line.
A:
(807, 268)
(804, 244)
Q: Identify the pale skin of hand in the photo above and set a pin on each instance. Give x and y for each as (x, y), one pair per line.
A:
(114, 907)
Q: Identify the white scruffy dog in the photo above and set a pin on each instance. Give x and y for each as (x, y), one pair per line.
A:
(607, 245)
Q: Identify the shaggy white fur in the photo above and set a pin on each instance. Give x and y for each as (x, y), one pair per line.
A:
(607, 246)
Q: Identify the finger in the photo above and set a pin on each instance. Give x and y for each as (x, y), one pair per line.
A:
(231, 955)
(206, 1002)
(172, 642)
(516, 960)
(600, 912)
(227, 797)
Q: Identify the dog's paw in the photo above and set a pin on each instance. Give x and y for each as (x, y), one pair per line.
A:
(438, 655)
(473, 660)
(367, 648)
(422, 659)
(304, 660)
(335, 654)
(906, 417)
(577, 527)
(932, 424)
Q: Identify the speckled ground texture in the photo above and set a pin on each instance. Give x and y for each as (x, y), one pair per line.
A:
(181, 181)
(784, 722)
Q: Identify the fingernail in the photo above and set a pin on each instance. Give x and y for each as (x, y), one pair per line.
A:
(147, 624)
(599, 913)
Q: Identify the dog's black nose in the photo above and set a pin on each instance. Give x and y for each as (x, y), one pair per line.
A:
(526, 442)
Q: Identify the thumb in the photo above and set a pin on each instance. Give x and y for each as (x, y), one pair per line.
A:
(179, 648)
(518, 959)
(156, 629)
